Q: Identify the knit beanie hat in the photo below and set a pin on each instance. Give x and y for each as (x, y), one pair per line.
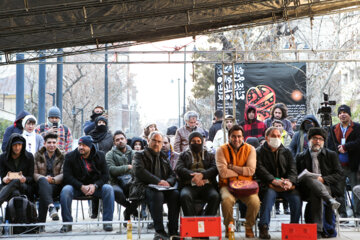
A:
(87, 140)
(317, 131)
(54, 111)
(344, 108)
(101, 118)
(196, 134)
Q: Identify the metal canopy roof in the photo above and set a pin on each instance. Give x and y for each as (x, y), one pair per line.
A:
(49, 24)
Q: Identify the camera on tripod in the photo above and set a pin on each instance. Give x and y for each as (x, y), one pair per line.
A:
(325, 111)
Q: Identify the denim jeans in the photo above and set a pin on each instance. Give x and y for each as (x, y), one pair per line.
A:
(268, 202)
(106, 193)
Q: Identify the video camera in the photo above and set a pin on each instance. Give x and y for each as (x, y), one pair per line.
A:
(325, 111)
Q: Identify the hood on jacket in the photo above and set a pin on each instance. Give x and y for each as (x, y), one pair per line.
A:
(137, 139)
(14, 138)
(249, 107)
(19, 118)
(311, 118)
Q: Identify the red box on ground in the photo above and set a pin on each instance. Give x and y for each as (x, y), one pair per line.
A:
(200, 227)
(298, 231)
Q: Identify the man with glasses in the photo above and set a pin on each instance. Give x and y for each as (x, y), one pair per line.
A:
(320, 189)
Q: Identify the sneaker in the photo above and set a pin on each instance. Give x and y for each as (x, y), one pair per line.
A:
(287, 211)
(161, 235)
(66, 228)
(53, 214)
(277, 211)
(107, 227)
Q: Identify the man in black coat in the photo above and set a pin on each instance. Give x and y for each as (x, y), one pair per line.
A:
(86, 174)
(277, 173)
(197, 172)
(151, 166)
(344, 138)
(316, 190)
(218, 115)
(15, 160)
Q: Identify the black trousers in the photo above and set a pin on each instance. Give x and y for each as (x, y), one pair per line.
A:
(15, 188)
(318, 194)
(46, 193)
(120, 197)
(155, 200)
(206, 193)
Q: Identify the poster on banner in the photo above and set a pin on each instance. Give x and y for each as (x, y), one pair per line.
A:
(263, 85)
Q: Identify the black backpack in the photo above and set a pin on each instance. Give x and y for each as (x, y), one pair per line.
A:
(20, 210)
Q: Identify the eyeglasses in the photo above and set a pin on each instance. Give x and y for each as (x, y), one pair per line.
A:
(317, 139)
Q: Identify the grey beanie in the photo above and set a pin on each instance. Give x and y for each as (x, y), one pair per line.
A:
(54, 111)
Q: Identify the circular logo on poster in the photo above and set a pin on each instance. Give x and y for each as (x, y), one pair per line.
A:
(263, 97)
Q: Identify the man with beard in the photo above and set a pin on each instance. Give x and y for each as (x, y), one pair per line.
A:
(90, 124)
(218, 115)
(16, 160)
(197, 173)
(316, 191)
(344, 138)
(182, 134)
(277, 173)
(54, 125)
(86, 174)
(252, 127)
(237, 160)
(151, 166)
(119, 162)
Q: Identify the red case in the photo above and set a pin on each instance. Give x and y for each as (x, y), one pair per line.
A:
(200, 227)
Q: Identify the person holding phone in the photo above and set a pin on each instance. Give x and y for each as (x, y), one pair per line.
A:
(54, 125)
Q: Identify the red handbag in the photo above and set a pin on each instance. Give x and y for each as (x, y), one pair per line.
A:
(242, 188)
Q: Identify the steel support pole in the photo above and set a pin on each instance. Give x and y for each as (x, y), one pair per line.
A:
(106, 80)
(20, 80)
(42, 87)
(184, 107)
(59, 80)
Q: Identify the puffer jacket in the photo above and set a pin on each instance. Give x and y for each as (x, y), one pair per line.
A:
(40, 165)
(143, 168)
(299, 142)
(118, 162)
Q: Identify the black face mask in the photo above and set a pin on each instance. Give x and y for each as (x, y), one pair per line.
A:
(101, 128)
(307, 126)
(196, 148)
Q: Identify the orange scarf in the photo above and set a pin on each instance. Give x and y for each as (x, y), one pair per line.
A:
(238, 160)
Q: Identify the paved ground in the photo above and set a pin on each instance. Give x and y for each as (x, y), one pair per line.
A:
(85, 227)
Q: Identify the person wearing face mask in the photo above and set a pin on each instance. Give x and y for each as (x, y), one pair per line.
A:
(182, 134)
(103, 141)
(285, 138)
(323, 189)
(54, 125)
(299, 142)
(101, 135)
(90, 124)
(277, 173)
(197, 173)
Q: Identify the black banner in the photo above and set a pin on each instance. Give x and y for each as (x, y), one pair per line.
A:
(263, 84)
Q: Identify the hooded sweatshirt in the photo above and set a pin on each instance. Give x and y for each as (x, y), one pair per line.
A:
(299, 142)
(254, 128)
(15, 128)
(26, 160)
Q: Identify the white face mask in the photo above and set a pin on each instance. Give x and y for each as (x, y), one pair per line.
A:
(274, 142)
